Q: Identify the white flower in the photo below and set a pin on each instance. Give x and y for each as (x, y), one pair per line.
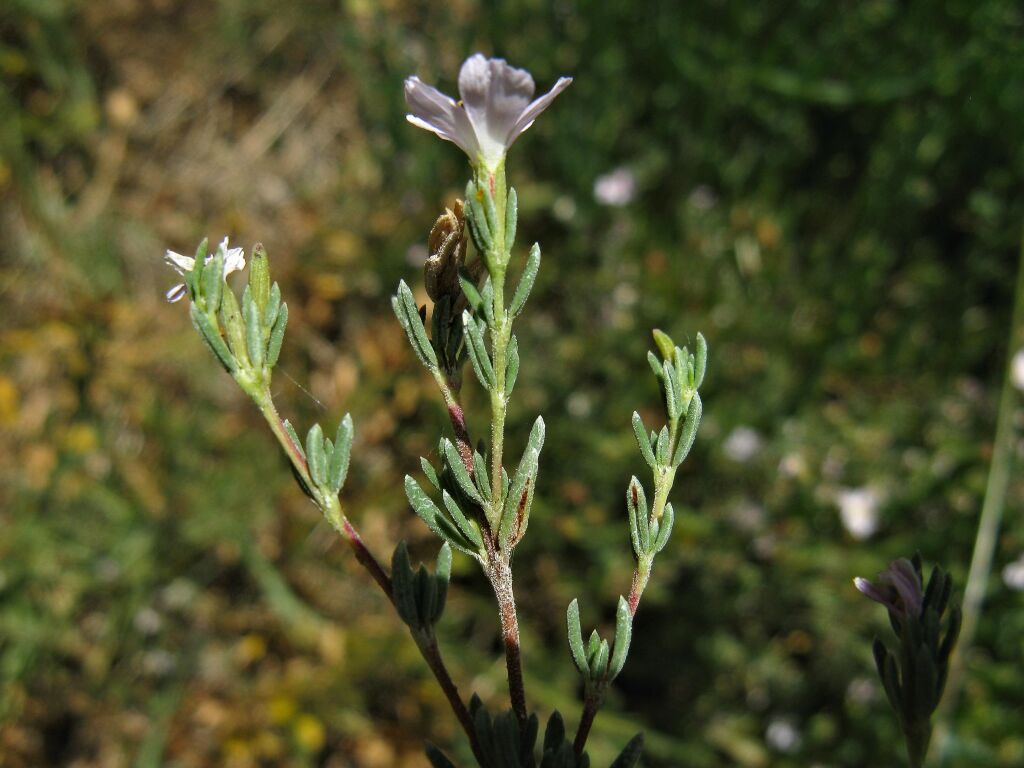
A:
(495, 109)
(783, 736)
(858, 510)
(1013, 574)
(1017, 369)
(742, 444)
(617, 188)
(234, 260)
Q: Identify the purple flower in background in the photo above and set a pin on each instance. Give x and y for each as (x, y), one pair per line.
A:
(898, 588)
(234, 260)
(495, 109)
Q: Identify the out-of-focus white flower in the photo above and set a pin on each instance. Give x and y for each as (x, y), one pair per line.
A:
(234, 260)
(782, 736)
(858, 511)
(495, 109)
(1013, 574)
(617, 188)
(1017, 369)
(742, 444)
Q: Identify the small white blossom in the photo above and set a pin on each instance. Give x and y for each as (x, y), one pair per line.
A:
(234, 260)
(1013, 574)
(858, 511)
(616, 189)
(495, 109)
(1017, 369)
(782, 736)
(742, 444)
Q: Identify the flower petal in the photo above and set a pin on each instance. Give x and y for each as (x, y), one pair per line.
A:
(176, 293)
(433, 111)
(533, 110)
(873, 592)
(180, 264)
(495, 95)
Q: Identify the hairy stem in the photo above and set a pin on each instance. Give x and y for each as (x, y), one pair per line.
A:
(331, 508)
(500, 575)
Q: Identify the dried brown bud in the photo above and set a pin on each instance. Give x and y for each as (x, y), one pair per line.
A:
(447, 247)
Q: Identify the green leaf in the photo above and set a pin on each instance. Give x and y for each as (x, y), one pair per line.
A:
(426, 596)
(315, 456)
(629, 757)
(664, 530)
(295, 437)
(575, 633)
(640, 431)
(277, 336)
(623, 635)
(487, 295)
(516, 514)
(404, 305)
(526, 281)
(469, 288)
(437, 758)
(673, 397)
(600, 663)
(511, 365)
(442, 576)
(273, 306)
(259, 277)
(554, 732)
(479, 229)
(478, 352)
(338, 469)
(403, 588)
(665, 344)
(211, 335)
(639, 521)
(464, 525)
(458, 470)
(253, 329)
(655, 363)
(511, 218)
(431, 474)
(213, 281)
(661, 450)
(483, 481)
(689, 434)
(234, 326)
(593, 649)
(700, 361)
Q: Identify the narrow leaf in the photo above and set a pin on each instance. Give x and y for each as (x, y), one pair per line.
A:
(511, 218)
(630, 755)
(516, 513)
(253, 329)
(689, 434)
(526, 281)
(211, 335)
(315, 456)
(511, 365)
(640, 431)
(579, 656)
(458, 469)
(623, 634)
(404, 305)
(338, 470)
(664, 530)
(277, 336)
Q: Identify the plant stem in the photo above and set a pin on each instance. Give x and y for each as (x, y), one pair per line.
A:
(331, 508)
(591, 704)
(1000, 471)
(500, 575)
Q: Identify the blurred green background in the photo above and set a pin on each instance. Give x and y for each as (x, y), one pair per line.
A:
(832, 193)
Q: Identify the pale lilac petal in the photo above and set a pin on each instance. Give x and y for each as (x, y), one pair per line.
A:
(176, 293)
(494, 94)
(870, 590)
(180, 264)
(433, 111)
(903, 577)
(234, 260)
(533, 110)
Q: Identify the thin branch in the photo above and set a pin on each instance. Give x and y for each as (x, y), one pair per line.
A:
(428, 649)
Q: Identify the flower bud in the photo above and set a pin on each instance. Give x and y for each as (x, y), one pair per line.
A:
(447, 248)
